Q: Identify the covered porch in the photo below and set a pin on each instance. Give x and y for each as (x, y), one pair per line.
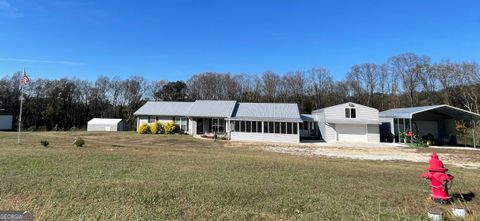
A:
(208, 126)
(437, 123)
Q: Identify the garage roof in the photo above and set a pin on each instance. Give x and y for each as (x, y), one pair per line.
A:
(448, 110)
(104, 121)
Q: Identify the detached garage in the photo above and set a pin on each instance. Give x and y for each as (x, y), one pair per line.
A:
(348, 122)
(105, 124)
(6, 120)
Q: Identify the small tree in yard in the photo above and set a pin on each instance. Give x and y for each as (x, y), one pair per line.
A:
(156, 128)
(169, 127)
(143, 129)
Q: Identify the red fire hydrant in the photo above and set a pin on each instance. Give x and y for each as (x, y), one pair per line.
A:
(439, 179)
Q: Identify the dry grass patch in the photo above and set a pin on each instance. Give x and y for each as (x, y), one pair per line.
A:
(125, 176)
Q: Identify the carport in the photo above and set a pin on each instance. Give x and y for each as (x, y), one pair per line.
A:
(438, 120)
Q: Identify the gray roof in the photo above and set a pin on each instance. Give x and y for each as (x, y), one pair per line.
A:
(408, 112)
(267, 112)
(307, 117)
(210, 108)
(165, 108)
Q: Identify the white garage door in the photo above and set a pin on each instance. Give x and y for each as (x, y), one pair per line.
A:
(351, 132)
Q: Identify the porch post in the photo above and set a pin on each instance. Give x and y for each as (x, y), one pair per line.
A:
(473, 133)
(411, 129)
(398, 130)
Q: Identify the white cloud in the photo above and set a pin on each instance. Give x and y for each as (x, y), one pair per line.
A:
(7, 10)
(41, 61)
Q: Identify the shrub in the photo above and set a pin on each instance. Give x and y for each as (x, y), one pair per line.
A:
(169, 127)
(143, 129)
(79, 142)
(44, 143)
(156, 128)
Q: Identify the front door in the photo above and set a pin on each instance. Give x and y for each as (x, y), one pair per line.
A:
(199, 126)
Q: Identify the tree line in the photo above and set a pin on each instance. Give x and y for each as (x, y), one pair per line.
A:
(404, 80)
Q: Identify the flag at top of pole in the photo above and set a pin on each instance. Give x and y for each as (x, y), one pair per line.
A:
(23, 82)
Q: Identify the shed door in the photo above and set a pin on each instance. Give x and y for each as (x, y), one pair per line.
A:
(351, 132)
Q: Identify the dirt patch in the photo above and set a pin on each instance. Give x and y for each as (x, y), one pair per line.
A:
(371, 152)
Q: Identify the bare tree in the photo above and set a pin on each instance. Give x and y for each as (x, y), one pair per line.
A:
(321, 84)
(270, 86)
(409, 66)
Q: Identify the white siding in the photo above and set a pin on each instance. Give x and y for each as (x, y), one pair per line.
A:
(330, 132)
(326, 134)
(192, 126)
(6, 122)
(363, 112)
(162, 119)
(373, 133)
(265, 137)
(102, 127)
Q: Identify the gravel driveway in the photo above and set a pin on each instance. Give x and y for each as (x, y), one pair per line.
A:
(371, 152)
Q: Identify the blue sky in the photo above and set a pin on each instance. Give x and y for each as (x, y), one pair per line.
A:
(177, 38)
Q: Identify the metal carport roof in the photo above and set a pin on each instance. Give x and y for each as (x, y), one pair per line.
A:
(448, 110)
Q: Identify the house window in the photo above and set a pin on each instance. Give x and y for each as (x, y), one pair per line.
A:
(289, 128)
(259, 127)
(254, 126)
(181, 122)
(151, 120)
(294, 128)
(277, 127)
(283, 126)
(270, 127)
(218, 125)
(237, 125)
(350, 112)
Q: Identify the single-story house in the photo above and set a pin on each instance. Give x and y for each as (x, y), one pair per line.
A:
(436, 120)
(6, 120)
(105, 124)
(273, 122)
(348, 122)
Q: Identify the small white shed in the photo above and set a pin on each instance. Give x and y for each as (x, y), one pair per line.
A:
(348, 122)
(6, 120)
(105, 124)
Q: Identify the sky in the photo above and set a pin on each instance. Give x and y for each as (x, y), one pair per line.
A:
(174, 39)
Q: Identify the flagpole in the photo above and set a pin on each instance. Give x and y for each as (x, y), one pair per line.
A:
(21, 106)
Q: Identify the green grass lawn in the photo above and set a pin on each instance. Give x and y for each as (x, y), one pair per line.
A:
(125, 176)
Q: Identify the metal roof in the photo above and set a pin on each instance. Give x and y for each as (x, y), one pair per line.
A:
(448, 110)
(267, 111)
(165, 108)
(104, 121)
(211, 108)
(287, 112)
(307, 117)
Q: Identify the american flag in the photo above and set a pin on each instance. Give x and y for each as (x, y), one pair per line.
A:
(25, 79)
